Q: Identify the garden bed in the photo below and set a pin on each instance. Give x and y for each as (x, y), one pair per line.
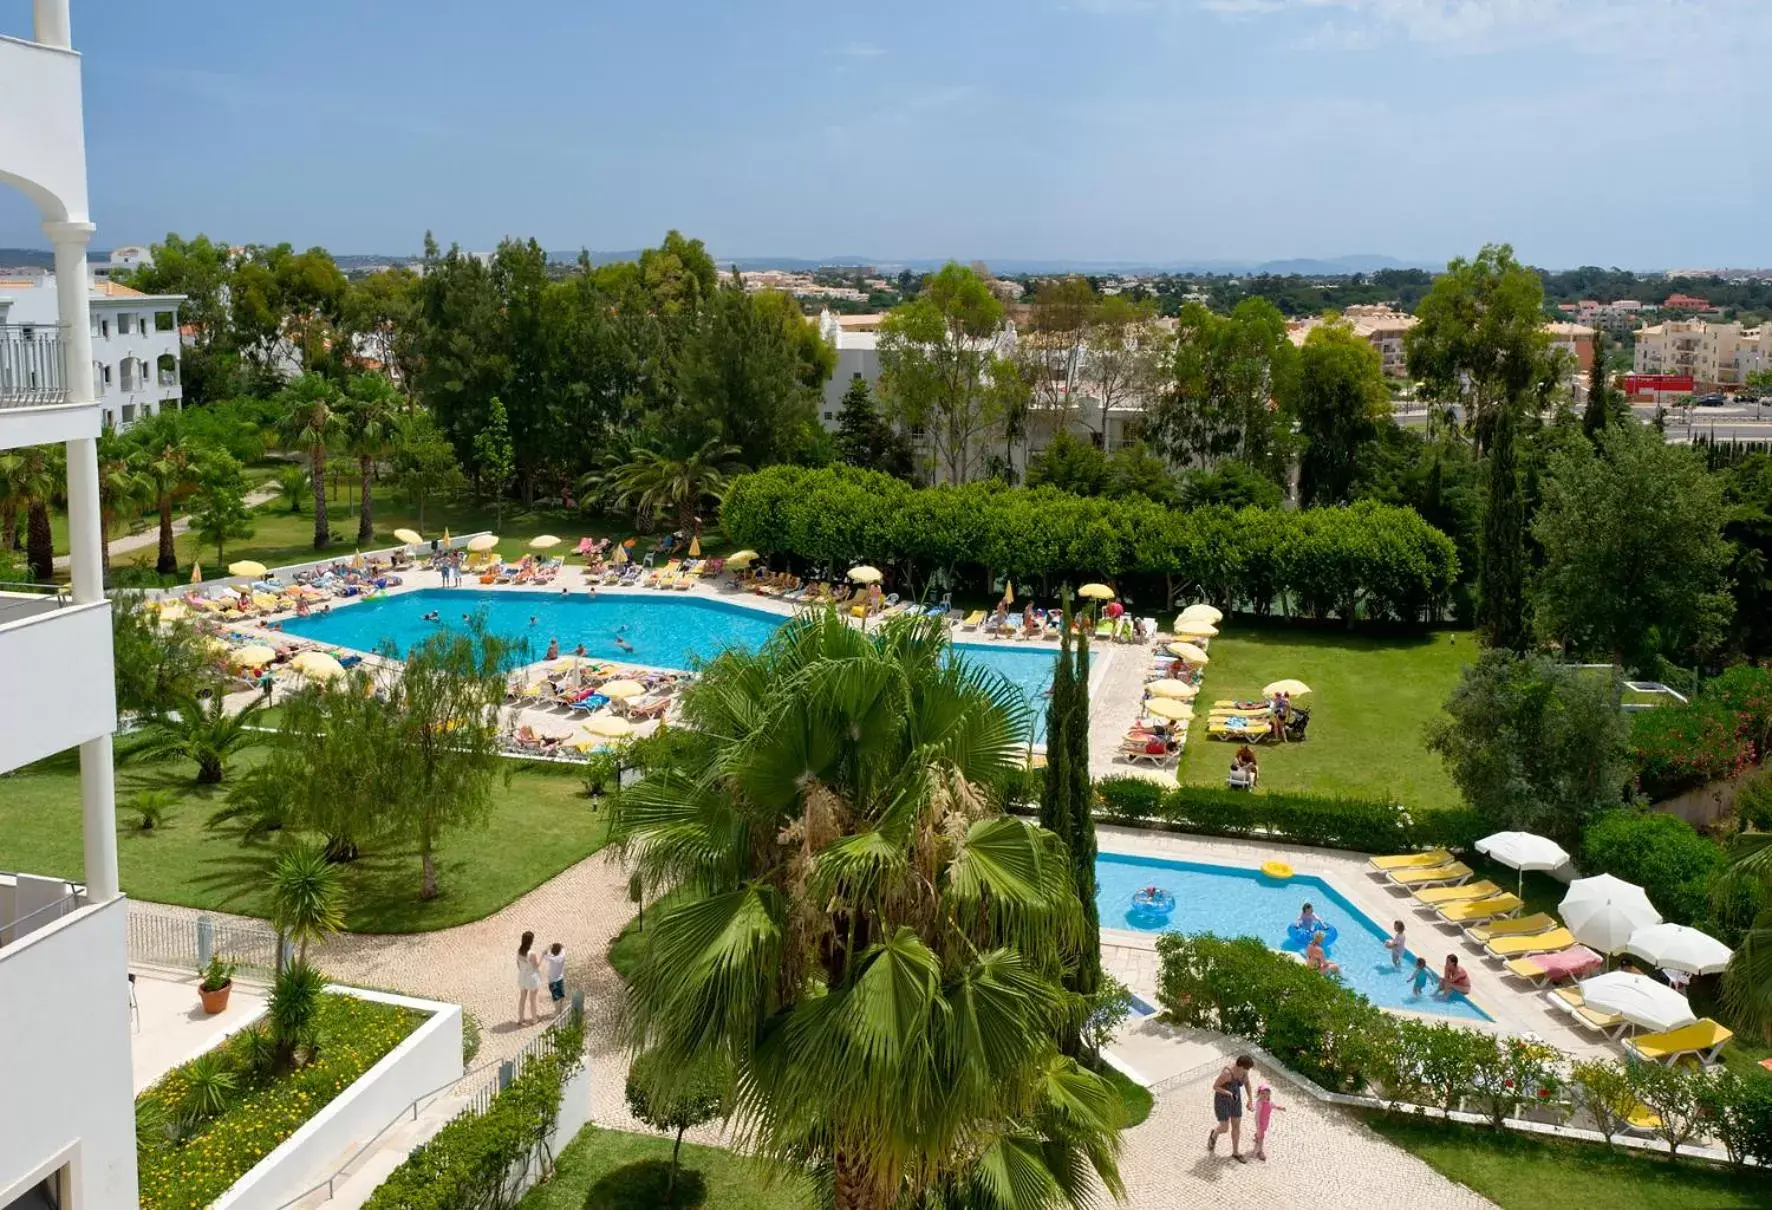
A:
(262, 1110)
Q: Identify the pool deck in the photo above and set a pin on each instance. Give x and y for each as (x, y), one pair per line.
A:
(1514, 1007)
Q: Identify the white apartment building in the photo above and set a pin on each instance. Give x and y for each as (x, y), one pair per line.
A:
(67, 1115)
(1382, 327)
(857, 341)
(1717, 356)
(135, 341)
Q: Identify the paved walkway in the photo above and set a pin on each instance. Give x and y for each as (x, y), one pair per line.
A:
(151, 535)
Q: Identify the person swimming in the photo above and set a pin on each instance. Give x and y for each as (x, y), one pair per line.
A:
(623, 643)
(433, 616)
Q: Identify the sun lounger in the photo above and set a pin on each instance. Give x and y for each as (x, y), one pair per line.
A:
(1704, 1039)
(1640, 1119)
(1517, 926)
(1437, 876)
(1552, 968)
(1571, 1001)
(1439, 896)
(1537, 943)
(1409, 861)
(1504, 904)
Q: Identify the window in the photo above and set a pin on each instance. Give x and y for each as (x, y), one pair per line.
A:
(829, 415)
(165, 321)
(128, 412)
(104, 328)
(107, 370)
(123, 324)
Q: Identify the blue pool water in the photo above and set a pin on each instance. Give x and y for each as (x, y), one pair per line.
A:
(664, 631)
(1242, 903)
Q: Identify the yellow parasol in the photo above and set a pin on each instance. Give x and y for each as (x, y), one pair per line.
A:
(1189, 652)
(621, 555)
(172, 611)
(1194, 628)
(864, 575)
(743, 558)
(356, 558)
(543, 542)
(1096, 592)
(695, 547)
(482, 542)
(1166, 707)
(445, 537)
(317, 666)
(253, 655)
(616, 690)
(247, 567)
(1008, 592)
(196, 573)
(1172, 688)
(1289, 686)
(1202, 612)
(609, 725)
(409, 536)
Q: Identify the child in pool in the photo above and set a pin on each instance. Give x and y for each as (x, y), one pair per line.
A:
(1307, 919)
(1396, 945)
(1264, 1112)
(1418, 981)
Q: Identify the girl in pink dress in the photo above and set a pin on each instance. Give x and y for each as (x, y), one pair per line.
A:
(1264, 1112)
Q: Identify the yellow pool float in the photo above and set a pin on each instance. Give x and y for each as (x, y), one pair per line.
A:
(1277, 870)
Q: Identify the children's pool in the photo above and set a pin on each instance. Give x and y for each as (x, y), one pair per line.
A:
(1243, 903)
(664, 631)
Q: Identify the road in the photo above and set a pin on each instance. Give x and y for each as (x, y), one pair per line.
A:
(151, 535)
(1732, 422)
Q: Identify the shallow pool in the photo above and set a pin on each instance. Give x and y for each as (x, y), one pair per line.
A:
(663, 631)
(1235, 902)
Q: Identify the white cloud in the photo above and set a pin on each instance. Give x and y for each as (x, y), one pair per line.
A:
(861, 50)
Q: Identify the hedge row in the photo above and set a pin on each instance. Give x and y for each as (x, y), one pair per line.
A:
(1369, 560)
(472, 1160)
(1322, 1029)
(1364, 825)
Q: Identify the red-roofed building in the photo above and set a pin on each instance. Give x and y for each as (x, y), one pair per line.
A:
(1685, 302)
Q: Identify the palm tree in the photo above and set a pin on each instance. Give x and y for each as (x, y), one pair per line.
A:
(198, 730)
(12, 498)
(38, 481)
(312, 424)
(306, 896)
(853, 923)
(1747, 983)
(657, 482)
(122, 489)
(373, 405)
(292, 485)
(168, 466)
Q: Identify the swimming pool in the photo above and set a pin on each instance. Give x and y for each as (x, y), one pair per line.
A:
(664, 631)
(1242, 903)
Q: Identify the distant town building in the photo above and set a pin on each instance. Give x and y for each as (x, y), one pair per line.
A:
(135, 341)
(1685, 302)
(1383, 327)
(1577, 340)
(1717, 356)
(123, 260)
(1618, 317)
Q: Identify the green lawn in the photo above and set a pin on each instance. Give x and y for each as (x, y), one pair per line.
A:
(615, 1170)
(1371, 699)
(541, 824)
(1527, 1172)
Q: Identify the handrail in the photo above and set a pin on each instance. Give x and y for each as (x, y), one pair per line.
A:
(59, 907)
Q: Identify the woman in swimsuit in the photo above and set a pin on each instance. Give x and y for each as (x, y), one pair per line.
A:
(1229, 1091)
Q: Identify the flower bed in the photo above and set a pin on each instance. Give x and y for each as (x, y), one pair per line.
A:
(184, 1168)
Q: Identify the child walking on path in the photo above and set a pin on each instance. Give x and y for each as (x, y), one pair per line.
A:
(1264, 1112)
(555, 964)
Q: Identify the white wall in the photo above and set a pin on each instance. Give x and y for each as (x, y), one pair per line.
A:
(59, 687)
(65, 1084)
(43, 145)
(429, 1058)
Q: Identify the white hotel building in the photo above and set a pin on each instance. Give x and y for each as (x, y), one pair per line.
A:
(67, 1123)
(135, 341)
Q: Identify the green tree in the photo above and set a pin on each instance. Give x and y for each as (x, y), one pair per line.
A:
(1532, 744)
(669, 483)
(292, 484)
(311, 423)
(122, 490)
(1747, 982)
(371, 404)
(674, 1101)
(1604, 406)
(1481, 341)
(494, 457)
(1633, 551)
(423, 462)
(1501, 563)
(751, 373)
(168, 466)
(199, 269)
(1071, 465)
(934, 354)
(867, 439)
(38, 480)
(157, 664)
(307, 896)
(1125, 356)
(1216, 401)
(1340, 398)
(845, 916)
(1067, 804)
(218, 509)
(201, 730)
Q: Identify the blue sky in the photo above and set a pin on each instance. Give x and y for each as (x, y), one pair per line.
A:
(1629, 132)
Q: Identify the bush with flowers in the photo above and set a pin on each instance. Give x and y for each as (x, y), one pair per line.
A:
(188, 1160)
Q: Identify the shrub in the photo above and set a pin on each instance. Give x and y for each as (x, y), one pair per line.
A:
(1603, 1089)
(1107, 1009)
(1679, 748)
(1512, 1072)
(1671, 1094)
(1753, 802)
(210, 1085)
(1128, 798)
(294, 1010)
(1738, 1114)
(1745, 690)
(1455, 828)
(1664, 855)
(1436, 1063)
(469, 1162)
(1366, 825)
(674, 1101)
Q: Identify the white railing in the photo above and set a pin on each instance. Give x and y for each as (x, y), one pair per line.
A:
(31, 371)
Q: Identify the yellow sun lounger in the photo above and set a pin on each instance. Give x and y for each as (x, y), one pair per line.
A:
(1705, 1039)
(1538, 943)
(1518, 926)
(1410, 861)
(1505, 904)
(1435, 896)
(1438, 875)
(1571, 1001)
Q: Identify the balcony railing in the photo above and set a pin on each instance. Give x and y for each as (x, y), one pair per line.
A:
(21, 601)
(168, 378)
(31, 372)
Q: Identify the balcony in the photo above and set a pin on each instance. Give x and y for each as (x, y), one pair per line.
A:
(31, 373)
(57, 653)
(168, 378)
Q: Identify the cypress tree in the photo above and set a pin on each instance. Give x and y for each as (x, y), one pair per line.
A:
(1501, 567)
(1598, 413)
(1068, 797)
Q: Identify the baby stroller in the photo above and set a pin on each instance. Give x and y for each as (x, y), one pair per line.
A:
(1296, 722)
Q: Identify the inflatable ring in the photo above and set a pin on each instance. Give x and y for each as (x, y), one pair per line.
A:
(1277, 870)
(1302, 936)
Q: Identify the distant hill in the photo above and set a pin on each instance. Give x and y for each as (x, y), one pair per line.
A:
(1339, 266)
(41, 258)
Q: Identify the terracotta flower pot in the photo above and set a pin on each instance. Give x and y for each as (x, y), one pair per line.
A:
(217, 1000)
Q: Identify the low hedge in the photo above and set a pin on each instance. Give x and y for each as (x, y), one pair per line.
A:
(205, 1160)
(470, 1161)
(1663, 854)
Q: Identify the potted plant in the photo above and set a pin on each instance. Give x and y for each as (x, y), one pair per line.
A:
(218, 981)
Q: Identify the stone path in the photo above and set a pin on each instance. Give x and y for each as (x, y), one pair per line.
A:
(151, 535)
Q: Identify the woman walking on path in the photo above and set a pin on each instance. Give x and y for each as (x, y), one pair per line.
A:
(528, 979)
(1229, 1092)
